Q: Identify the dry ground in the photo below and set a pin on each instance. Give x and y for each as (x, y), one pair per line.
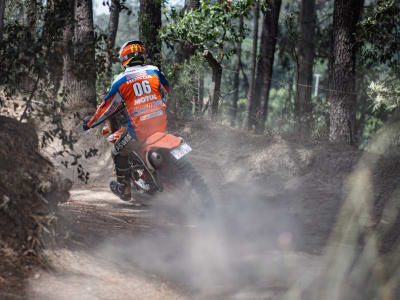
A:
(278, 201)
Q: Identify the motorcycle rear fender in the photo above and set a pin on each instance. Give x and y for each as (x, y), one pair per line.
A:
(157, 141)
(160, 140)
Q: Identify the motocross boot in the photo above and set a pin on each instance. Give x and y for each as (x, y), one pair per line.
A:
(121, 187)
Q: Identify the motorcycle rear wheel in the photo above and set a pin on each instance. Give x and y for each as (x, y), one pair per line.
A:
(196, 194)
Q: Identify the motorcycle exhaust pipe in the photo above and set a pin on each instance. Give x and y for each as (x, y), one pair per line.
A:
(155, 159)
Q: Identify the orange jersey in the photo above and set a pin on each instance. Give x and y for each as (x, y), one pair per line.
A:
(139, 90)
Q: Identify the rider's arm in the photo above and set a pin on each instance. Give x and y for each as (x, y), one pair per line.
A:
(112, 103)
(164, 85)
(164, 82)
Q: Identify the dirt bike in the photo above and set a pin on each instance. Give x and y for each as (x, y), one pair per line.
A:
(162, 165)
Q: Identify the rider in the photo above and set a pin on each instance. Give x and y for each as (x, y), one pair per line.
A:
(138, 91)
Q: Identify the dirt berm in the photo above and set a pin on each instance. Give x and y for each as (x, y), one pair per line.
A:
(30, 190)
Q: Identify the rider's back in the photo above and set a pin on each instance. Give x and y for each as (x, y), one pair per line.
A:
(141, 88)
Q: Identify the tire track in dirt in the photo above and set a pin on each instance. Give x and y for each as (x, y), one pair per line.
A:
(114, 249)
(81, 271)
(110, 249)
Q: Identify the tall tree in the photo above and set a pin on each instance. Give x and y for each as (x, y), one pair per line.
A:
(2, 10)
(236, 78)
(149, 25)
(209, 29)
(58, 14)
(266, 62)
(305, 61)
(250, 117)
(188, 50)
(79, 59)
(115, 9)
(215, 91)
(342, 97)
(200, 96)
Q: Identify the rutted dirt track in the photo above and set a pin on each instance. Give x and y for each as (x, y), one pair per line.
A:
(110, 249)
(278, 201)
(91, 218)
(104, 257)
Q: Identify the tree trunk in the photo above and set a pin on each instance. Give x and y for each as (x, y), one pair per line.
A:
(79, 60)
(149, 24)
(266, 62)
(115, 10)
(342, 98)
(250, 106)
(113, 23)
(53, 28)
(200, 96)
(236, 83)
(68, 66)
(286, 108)
(303, 104)
(215, 85)
(112, 34)
(2, 10)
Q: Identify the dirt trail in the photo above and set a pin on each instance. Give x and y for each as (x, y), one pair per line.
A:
(277, 200)
(111, 252)
(116, 250)
(91, 218)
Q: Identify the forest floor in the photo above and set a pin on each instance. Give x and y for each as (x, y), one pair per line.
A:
(278, 200)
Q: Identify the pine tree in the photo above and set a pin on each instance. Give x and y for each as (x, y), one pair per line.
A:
(236, 79)
(342, 95)
(303, 104)
(149, 25)
(250, 106)
(79, 59)
(115, 9)
(266, 62)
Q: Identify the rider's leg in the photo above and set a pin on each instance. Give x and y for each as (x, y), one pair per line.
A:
(122, 187)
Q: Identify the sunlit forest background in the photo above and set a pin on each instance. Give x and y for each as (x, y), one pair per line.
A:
(256, 65)
(376, 65)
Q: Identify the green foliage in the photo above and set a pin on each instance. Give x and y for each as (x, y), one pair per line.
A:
(380, 33)
(211, 27)
(183, 78)
(379, 36)
(385, 94)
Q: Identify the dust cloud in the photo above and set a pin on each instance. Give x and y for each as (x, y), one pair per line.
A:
(245, 251)
(263, 242)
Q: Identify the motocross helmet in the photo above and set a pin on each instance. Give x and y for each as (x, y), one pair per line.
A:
(132, 53)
